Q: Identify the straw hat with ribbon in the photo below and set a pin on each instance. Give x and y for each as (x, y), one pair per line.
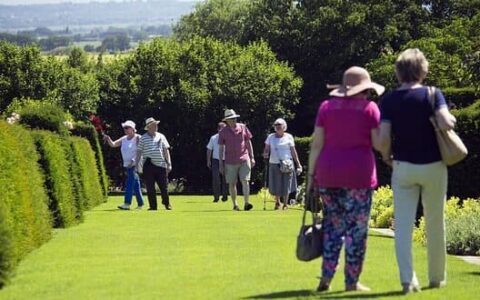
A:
(149, 122)
(230, 114)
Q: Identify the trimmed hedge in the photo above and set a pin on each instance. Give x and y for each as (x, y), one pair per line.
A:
(464, 177)
(88, 131)
(41, 114)
(25, 221)
(58, 184)
(87, 172)
(461, 97)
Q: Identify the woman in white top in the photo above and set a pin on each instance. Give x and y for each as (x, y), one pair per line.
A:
(128, 144)
(280, 149)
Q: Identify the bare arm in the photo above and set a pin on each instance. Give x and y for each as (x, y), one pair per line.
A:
(112, 144)
(250, 152)
(297, 161)
(315, 149)
(266, 151)
(221, 164)
(384, 142)
(445, 120)
(209, 158)
(168, 159)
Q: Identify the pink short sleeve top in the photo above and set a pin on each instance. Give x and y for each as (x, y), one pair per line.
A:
(347, 159)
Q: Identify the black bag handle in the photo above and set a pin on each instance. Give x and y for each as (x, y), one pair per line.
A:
(314, 206)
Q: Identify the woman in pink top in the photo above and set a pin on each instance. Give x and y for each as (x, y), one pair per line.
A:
(342, 169)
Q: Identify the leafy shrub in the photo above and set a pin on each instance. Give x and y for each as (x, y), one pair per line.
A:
(461, 97)
(25, 221)
(463, 178)
(462, 219)
(87, 172)
(463, 234)
(58, 180)
(381, 214)
(43, 114)
(302, 145)
(88, 131)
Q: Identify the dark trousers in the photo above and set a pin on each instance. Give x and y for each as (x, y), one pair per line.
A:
(218, 181)
(152, 174)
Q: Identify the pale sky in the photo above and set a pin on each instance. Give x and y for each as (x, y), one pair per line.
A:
(13, 2)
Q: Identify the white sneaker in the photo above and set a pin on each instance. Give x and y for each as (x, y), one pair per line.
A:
(124, 207)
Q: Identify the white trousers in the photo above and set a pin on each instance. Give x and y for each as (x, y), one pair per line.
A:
(409, 182)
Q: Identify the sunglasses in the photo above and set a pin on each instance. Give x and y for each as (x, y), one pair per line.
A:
(277, 124)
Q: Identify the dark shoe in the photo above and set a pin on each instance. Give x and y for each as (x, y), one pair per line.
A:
(436, 285)
(168, 207)
(224, 199)
(248, 207)
(151, 208)
(357, 287)
(323, 286)
(277, 205)
(236, 208)
(408, 288)
(215, 200)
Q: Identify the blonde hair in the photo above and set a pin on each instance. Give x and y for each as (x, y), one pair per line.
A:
(411, 66)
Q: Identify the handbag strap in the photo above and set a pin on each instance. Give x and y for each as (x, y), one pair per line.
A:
(431, 97)
(313, 207)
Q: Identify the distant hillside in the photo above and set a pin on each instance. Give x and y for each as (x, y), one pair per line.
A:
(16, 17)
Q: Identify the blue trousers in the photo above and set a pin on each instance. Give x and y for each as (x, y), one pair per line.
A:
(133, 186)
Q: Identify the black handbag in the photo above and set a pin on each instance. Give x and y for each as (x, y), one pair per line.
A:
(310, 237)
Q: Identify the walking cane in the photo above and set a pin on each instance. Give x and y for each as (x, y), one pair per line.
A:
(265, 182)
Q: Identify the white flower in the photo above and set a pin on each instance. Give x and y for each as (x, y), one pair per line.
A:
(68, 124)
(10, 120)
(15, 116)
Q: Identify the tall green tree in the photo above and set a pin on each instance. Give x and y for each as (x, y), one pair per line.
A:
(188, 85)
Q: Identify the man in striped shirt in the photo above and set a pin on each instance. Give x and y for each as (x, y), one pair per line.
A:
(153, 146)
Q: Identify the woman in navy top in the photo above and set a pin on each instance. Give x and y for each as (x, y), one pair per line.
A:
(409, 145)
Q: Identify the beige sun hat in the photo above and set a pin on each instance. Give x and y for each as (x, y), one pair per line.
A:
(230, 114)
(149, 122)
(355, 80)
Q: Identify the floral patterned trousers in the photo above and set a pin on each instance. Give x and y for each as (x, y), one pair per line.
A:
(346, 214)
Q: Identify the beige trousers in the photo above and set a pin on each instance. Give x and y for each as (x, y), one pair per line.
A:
(409, 182)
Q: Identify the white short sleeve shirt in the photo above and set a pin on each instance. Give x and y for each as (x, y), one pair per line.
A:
(280, 147)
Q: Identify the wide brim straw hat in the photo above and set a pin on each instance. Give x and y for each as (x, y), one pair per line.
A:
(230, 114)
(355, 80)
(149, 122)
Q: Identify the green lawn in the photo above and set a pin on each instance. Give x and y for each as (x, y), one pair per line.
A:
(203, 250)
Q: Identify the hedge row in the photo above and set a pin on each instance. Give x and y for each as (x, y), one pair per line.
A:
(87, 171)
(88, 131)
(25, 221)
(48, 180)
(47, 115)
(461, 97)
(463, 178)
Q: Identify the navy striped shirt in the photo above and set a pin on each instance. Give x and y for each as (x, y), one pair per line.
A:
(153, 147)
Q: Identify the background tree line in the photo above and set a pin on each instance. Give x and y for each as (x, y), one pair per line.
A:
(264, 58)
(321, 38)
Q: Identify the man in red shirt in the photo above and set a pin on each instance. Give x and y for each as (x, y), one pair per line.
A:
(236, 156)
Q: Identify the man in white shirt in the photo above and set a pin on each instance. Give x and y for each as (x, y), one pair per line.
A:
(218, 180)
